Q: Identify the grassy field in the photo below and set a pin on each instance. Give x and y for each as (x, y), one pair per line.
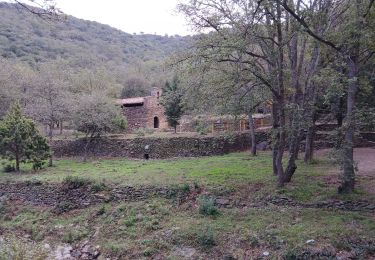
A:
(163, 228)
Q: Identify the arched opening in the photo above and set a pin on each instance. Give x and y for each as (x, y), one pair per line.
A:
(156, 122)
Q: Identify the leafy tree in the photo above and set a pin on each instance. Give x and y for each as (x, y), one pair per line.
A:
(96, 115)
(48, 99)
(172, 102)
(20, 140)
(350, 37)
(267, 49)
(135, 87)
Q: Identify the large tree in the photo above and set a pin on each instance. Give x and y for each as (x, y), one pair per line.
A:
(269, 50)
(350, 35)
(49, 100)
(95, 115)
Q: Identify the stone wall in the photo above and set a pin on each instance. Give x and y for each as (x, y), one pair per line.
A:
(159, 148)
(136, 117)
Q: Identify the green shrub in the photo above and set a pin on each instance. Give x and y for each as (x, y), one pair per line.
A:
(101, 211)
(9, 168)
(97, 187)
(74, 236)
(130, 221)
(207, 206)
(201, 128)
(178, 190)
(140, 132)
(63, 207)
(205, 237)
(33, 182)
(149, 252)
(75, 182)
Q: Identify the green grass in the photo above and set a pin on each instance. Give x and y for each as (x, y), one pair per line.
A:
(221, 174)
(157, 226)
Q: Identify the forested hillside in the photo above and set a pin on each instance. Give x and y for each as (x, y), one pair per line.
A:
(84, 43)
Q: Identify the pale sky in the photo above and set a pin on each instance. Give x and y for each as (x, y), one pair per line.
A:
(131, 16)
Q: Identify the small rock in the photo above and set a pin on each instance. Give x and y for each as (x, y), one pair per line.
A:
(222, 202)
(266, 253)
(85, 249)
(63, 252)
(186, 252)
(47, 247)
(310, 241)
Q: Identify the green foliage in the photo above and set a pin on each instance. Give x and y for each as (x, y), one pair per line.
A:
(75, 182)
(207, 206)
(172, 102)
(96, 115)
(140, 132)
(31, 39)
(8, 168)
(179, 190)
(135, 87)
(97, 187)
(63, 206)
(202, 128)
(74, 235)
(205, 237)
(20, 140)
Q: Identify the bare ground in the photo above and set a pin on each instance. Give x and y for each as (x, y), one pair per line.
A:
(365, 159)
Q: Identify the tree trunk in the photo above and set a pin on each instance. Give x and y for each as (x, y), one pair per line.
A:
(17, 162)
(175, 129)
(252, 136)
(61, 127)
(275, 136)
(280, 100)
(293, 155)
(347, 185)
(50, 135)
(348, 182)
(280, 149)
(309, 145)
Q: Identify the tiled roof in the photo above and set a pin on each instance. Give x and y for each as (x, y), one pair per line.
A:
(129, 101)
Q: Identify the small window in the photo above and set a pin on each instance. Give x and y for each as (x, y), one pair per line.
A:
(156, 122)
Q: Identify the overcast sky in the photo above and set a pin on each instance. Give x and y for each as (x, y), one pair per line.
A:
(131, 16)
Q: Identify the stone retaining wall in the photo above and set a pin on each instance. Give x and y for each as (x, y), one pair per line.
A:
(159, 148)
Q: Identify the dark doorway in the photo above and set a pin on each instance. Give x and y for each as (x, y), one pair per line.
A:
(156, 122)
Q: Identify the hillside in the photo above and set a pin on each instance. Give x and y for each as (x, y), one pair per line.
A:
(25, 37)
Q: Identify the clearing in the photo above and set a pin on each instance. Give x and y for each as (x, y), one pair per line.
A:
(221, 207)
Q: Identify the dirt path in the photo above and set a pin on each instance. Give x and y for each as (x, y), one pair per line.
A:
(365, 177)
(366, 161)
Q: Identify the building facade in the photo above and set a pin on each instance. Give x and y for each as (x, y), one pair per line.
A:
(144, 112)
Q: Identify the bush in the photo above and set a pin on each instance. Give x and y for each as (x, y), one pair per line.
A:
(63, 207)
(206, 237)
(207, 206)
(201, 128)
(75, 182)
(101, 211)
(140, 132)
(178, 190)
(9, 168)
(97, 187)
